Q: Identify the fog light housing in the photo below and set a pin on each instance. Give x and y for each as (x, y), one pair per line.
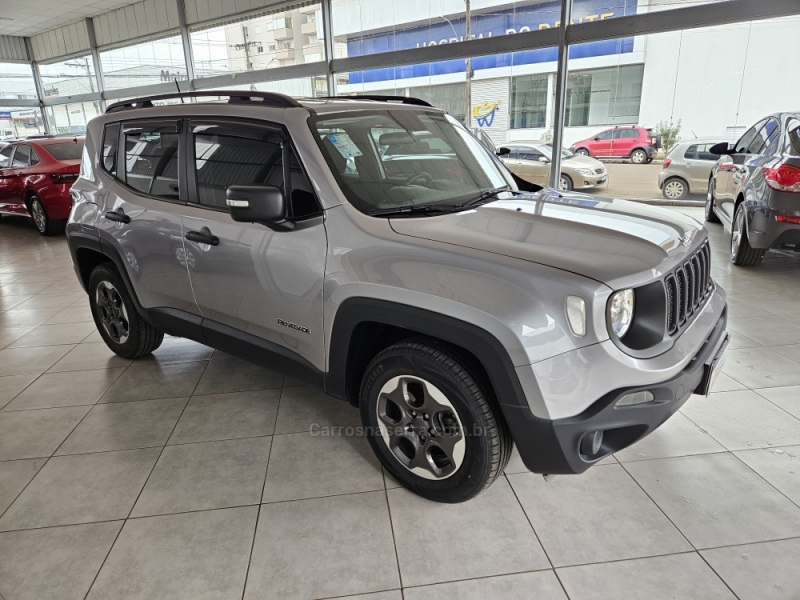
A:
(635, 398)
(591, 443)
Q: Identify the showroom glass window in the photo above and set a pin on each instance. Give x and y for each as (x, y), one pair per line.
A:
(154, 61)
(68, 77)
(604, 96)
(151, 160)
(264, 40)
(529, 101)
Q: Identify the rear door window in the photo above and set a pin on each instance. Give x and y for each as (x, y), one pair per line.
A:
(629, 133)
(151, 159)
(793, 134)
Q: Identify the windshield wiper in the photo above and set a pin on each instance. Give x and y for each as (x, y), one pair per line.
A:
(412, 210)
(484, 196)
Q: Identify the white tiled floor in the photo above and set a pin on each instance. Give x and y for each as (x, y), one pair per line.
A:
(190, 474)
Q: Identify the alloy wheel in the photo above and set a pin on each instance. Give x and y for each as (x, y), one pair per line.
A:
(112, 312)
(421, 427)
(674, 189)
(582, 152)
(563, 183)
(737, 233)
(638, 157)
(38, 214)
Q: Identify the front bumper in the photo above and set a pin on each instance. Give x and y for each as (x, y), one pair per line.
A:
(590, 181)
(554, 446)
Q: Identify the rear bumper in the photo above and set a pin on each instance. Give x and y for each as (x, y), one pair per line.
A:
(553, 446)
(765, 231)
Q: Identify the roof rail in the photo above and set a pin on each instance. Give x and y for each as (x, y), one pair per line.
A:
(234, 96)
(379, 98)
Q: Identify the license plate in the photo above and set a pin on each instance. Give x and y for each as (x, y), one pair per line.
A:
(715, 368)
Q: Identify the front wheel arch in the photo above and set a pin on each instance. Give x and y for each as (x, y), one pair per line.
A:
(365, 326)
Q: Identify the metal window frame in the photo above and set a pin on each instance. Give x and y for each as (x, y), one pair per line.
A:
(671, 19)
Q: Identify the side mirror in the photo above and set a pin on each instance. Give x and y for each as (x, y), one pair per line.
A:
(720, 149)
(503, 151)
(544, 159)
(258, 204)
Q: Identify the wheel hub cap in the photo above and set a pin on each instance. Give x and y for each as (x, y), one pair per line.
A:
(736, 236)
(38, 215)
(112, 312)
(674, 190)
(421, 427)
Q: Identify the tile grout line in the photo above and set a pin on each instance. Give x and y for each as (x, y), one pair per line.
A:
(663, 512)
(391, 527)
(713, 570)
(153, 468)
(760, 476)
(261, 499)
(536, 535)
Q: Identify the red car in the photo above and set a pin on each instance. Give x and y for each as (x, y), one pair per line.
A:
(637, 143)
(35, 178)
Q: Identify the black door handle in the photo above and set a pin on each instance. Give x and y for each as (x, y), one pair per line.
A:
(118, 216)
(203, 236)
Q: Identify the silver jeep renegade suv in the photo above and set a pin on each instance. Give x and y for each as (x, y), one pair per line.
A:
(374, 249)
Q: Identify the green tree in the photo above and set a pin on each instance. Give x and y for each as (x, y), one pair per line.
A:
(669, 132)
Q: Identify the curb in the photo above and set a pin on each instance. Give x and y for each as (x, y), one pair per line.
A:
(658, 202)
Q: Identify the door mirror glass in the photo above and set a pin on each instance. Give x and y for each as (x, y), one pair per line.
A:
(503, 151)
(258, 204)
(720, 149)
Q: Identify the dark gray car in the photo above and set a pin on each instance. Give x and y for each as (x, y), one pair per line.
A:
(754, 188)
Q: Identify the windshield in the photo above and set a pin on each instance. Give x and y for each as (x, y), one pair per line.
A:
(547, 150)
(66, 151)
(400, 158)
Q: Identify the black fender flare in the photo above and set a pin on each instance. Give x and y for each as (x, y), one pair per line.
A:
(481, 344)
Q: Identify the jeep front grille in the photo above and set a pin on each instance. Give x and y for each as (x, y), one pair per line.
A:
(687, 288)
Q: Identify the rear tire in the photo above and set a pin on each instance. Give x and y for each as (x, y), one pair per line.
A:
(121, 327)
(711, 216)
(638, 156)
(582, 152)
(675, 188)
(742, 253)
(430, 423)
(42, 220)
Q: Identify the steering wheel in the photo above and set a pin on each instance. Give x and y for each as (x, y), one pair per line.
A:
(414, 178)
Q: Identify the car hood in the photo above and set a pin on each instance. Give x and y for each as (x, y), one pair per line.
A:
(605, 239)
(576, 161)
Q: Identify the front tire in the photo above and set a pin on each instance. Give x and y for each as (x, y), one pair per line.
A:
(565, 183)
(121, 327)
(638, 156)
(430, 423)
(711, 216)
(742, 253)
(675, 188)
(582, 152)
(41, 219)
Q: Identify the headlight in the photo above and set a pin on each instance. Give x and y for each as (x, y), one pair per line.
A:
(620, 312)
(585, 171)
